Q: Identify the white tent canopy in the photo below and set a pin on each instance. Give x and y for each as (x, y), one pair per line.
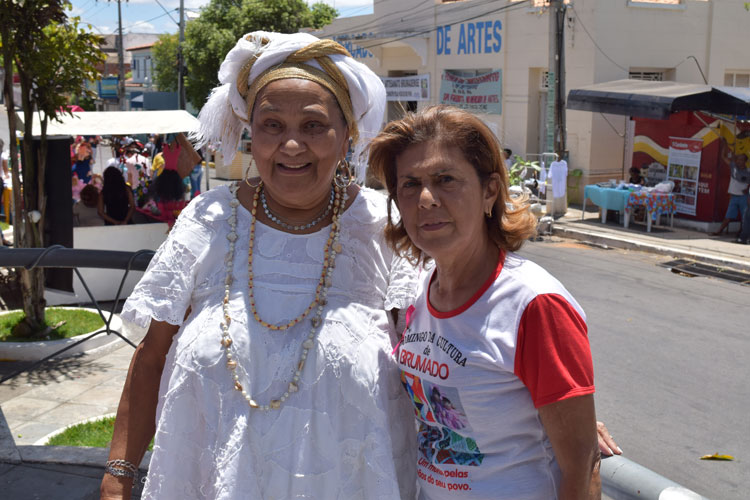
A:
(119, 123)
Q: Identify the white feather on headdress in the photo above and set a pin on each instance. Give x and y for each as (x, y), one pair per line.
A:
(224, 116)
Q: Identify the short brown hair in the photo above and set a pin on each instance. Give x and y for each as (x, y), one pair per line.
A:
(511, 223)
(90, 195)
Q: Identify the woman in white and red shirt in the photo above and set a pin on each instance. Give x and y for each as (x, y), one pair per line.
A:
(495, 356)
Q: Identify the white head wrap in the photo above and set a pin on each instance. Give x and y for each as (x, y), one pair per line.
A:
(225, 114)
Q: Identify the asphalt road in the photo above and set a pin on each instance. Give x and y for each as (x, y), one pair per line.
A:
(671, 362)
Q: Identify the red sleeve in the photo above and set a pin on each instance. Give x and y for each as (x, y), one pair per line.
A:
(553, 357)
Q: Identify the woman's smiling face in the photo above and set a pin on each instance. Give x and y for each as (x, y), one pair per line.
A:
(298, 136)
(442, 200)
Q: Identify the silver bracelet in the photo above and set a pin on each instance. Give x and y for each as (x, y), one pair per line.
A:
(121, 468)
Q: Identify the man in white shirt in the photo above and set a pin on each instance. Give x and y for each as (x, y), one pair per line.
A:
(738, 187)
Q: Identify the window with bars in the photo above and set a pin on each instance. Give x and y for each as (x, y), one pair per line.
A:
(737, 78)
(649, 76)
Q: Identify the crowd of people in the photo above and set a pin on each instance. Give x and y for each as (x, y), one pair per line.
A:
(140, 183)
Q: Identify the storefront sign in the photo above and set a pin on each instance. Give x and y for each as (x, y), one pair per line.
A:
(108, 88)
(475, 37)
(683, 169)
(407, 88)
(481, 93)
(356, 51)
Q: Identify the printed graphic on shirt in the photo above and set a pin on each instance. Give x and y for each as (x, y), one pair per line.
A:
(443, 446)
(441, 414)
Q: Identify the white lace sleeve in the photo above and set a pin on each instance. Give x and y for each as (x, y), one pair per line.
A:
(165, 289)
(402, 284)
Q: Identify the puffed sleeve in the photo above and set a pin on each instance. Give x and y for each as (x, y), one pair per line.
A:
(165, 289)
(402, 284)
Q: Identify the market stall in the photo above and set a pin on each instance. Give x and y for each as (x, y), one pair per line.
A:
(684, 130)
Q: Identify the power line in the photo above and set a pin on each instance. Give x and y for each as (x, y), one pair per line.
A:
(421, 15)
(130, 28)
(594, 41)
(508, 8)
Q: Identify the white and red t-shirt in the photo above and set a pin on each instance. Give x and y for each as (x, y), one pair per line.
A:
(477, 374)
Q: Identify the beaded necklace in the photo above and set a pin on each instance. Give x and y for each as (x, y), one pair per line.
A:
(277, 220)
(333, 246)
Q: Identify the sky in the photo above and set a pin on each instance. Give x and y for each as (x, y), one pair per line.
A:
(162, 16)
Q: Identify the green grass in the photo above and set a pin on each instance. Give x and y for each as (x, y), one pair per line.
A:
(77, 322)
(97, 433)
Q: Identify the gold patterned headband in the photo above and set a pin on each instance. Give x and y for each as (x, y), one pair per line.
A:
(330, 77)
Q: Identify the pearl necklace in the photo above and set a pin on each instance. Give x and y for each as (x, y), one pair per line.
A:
(277, 220)
(333, 246)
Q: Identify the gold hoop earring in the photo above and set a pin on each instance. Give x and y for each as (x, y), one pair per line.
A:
(247, 180)
(343, 178)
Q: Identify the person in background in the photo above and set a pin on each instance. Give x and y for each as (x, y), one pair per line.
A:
(169, 201)
(495, 356)
(635, 176)
(195, 178)
(97, 181)
(86, 210)
(738, 192)
(116, 203)
(744, 237)
(508, 158)
(149, 149)
(82, 165)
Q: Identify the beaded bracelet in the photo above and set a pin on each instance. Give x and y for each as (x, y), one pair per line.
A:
(120, 468)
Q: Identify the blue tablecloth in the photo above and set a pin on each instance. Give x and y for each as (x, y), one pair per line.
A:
(607, 198)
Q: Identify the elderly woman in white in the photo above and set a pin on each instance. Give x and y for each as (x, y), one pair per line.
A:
(266, 371)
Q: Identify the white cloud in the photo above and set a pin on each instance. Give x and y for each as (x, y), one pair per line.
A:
(140, 27)
(103, 30)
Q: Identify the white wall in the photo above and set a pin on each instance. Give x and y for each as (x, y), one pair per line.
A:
(629, 36)
(103, 283)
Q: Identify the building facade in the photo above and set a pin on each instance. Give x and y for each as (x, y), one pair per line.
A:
(492, 57)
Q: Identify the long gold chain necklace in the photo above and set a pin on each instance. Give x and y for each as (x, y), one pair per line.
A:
(333, 246)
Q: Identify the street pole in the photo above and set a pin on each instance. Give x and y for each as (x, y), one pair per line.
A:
(181, 60)
(556, 133)
(121, 60)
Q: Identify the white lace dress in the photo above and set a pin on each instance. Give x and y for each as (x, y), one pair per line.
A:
(348, 433)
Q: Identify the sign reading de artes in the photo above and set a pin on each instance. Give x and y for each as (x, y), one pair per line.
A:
(475, 37)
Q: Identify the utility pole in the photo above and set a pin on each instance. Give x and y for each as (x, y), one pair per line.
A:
(181, 60)
(121, 60)
(556, 133)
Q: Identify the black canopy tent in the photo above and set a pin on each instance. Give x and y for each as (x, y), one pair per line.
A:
(659, 99)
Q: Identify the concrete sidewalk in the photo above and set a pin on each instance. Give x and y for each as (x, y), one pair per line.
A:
(677, 241)
(71, 390)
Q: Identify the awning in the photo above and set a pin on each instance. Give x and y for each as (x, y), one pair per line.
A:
(658, 99)
(119, 123)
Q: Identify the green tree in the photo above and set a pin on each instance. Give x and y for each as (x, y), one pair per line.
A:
(53, 57)
(222, 22)
(165, 62)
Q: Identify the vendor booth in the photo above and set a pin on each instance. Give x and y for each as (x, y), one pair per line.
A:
(59, 215)
(682, 133)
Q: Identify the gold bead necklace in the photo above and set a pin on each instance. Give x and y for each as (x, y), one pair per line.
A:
(333, 246)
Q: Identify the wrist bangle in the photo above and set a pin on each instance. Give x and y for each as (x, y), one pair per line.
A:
(121, 468)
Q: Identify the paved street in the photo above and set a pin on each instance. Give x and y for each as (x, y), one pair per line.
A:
(670, 356)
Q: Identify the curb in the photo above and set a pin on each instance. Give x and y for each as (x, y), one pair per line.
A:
(625, 243)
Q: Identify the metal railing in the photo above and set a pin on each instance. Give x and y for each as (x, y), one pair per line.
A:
(58, 256)
(623, 479)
